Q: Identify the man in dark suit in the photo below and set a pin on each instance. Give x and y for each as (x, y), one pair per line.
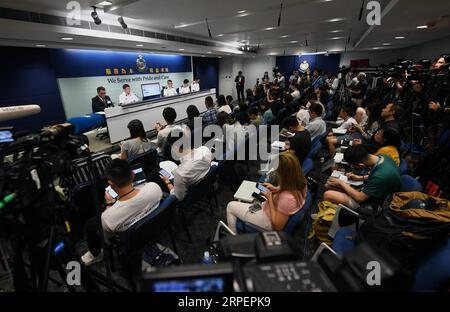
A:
(240, 81)
(101, 101)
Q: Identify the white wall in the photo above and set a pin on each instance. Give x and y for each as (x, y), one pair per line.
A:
(430, 50)
(376, 57)
(252, 69)
(225, 76)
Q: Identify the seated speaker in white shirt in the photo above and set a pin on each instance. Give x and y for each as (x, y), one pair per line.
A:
(169, 90)
(127, 97)
(185, 88)
(196, 85)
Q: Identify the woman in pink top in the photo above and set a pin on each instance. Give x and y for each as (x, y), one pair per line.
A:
(282, 201)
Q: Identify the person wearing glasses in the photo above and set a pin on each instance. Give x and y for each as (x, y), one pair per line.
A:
(316, 126)
(101, 101)
(383, 180)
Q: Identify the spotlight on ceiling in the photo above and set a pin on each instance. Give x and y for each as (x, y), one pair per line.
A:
(95, 17)
(122, 22)
(105, 3)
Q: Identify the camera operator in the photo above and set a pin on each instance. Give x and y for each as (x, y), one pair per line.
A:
(441, 67)
(358, 90)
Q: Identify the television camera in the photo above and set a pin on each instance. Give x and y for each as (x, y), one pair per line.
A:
(33, 220)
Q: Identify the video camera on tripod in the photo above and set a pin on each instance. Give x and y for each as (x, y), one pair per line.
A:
(32, 215)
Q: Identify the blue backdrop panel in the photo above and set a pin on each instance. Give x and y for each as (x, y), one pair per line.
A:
(86, 63)
(29, 78)
(329, 63)
(207, 69)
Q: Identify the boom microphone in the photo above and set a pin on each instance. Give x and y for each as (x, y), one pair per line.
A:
(15, 112)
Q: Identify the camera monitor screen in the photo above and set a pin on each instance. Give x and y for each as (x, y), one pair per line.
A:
(151, 91)
(189, 278)
(6, 136)
(210, 284)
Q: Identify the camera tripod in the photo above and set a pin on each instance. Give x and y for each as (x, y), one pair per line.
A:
(51, 250)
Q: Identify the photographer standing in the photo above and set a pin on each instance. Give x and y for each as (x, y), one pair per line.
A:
(440, 102)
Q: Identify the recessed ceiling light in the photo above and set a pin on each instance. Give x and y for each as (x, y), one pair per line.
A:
(376, 48)
(40, 45)
(203, 55)
(139, 45)
(284, 36)
(335, 20)
(422, 27)
(104, 3)
(66, 38)
(243, 15)
(220, 35)
(336, 38)
(387, 44)
(269, 28)
(293, 41)
(335, 31)
(400, 37)
(209, 52)
(242, 11)
(181, 49)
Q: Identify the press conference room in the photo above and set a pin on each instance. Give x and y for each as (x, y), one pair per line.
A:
(252, 148)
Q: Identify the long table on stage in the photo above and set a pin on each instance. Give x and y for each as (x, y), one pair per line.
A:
(150, 112)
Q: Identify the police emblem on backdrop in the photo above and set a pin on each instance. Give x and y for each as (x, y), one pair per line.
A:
(141, 64)
(304, 66)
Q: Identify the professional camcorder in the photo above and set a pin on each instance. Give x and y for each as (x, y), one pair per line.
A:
(32, 162)
(269, 262)
(32, 214)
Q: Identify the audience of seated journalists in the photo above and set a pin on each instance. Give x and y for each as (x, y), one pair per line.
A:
(304, 109)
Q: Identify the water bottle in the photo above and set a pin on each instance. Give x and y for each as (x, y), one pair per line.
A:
(207, 258)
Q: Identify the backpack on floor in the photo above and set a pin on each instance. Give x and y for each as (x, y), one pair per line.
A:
(322, 224)
(414, 225)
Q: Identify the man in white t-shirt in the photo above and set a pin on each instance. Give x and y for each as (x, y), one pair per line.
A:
(169, 115)
(185, 88)
(196, 85)
(347, 114)
(127, 97)
(169, 90)
(131, 205)
(194, 163)
(295, 91)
